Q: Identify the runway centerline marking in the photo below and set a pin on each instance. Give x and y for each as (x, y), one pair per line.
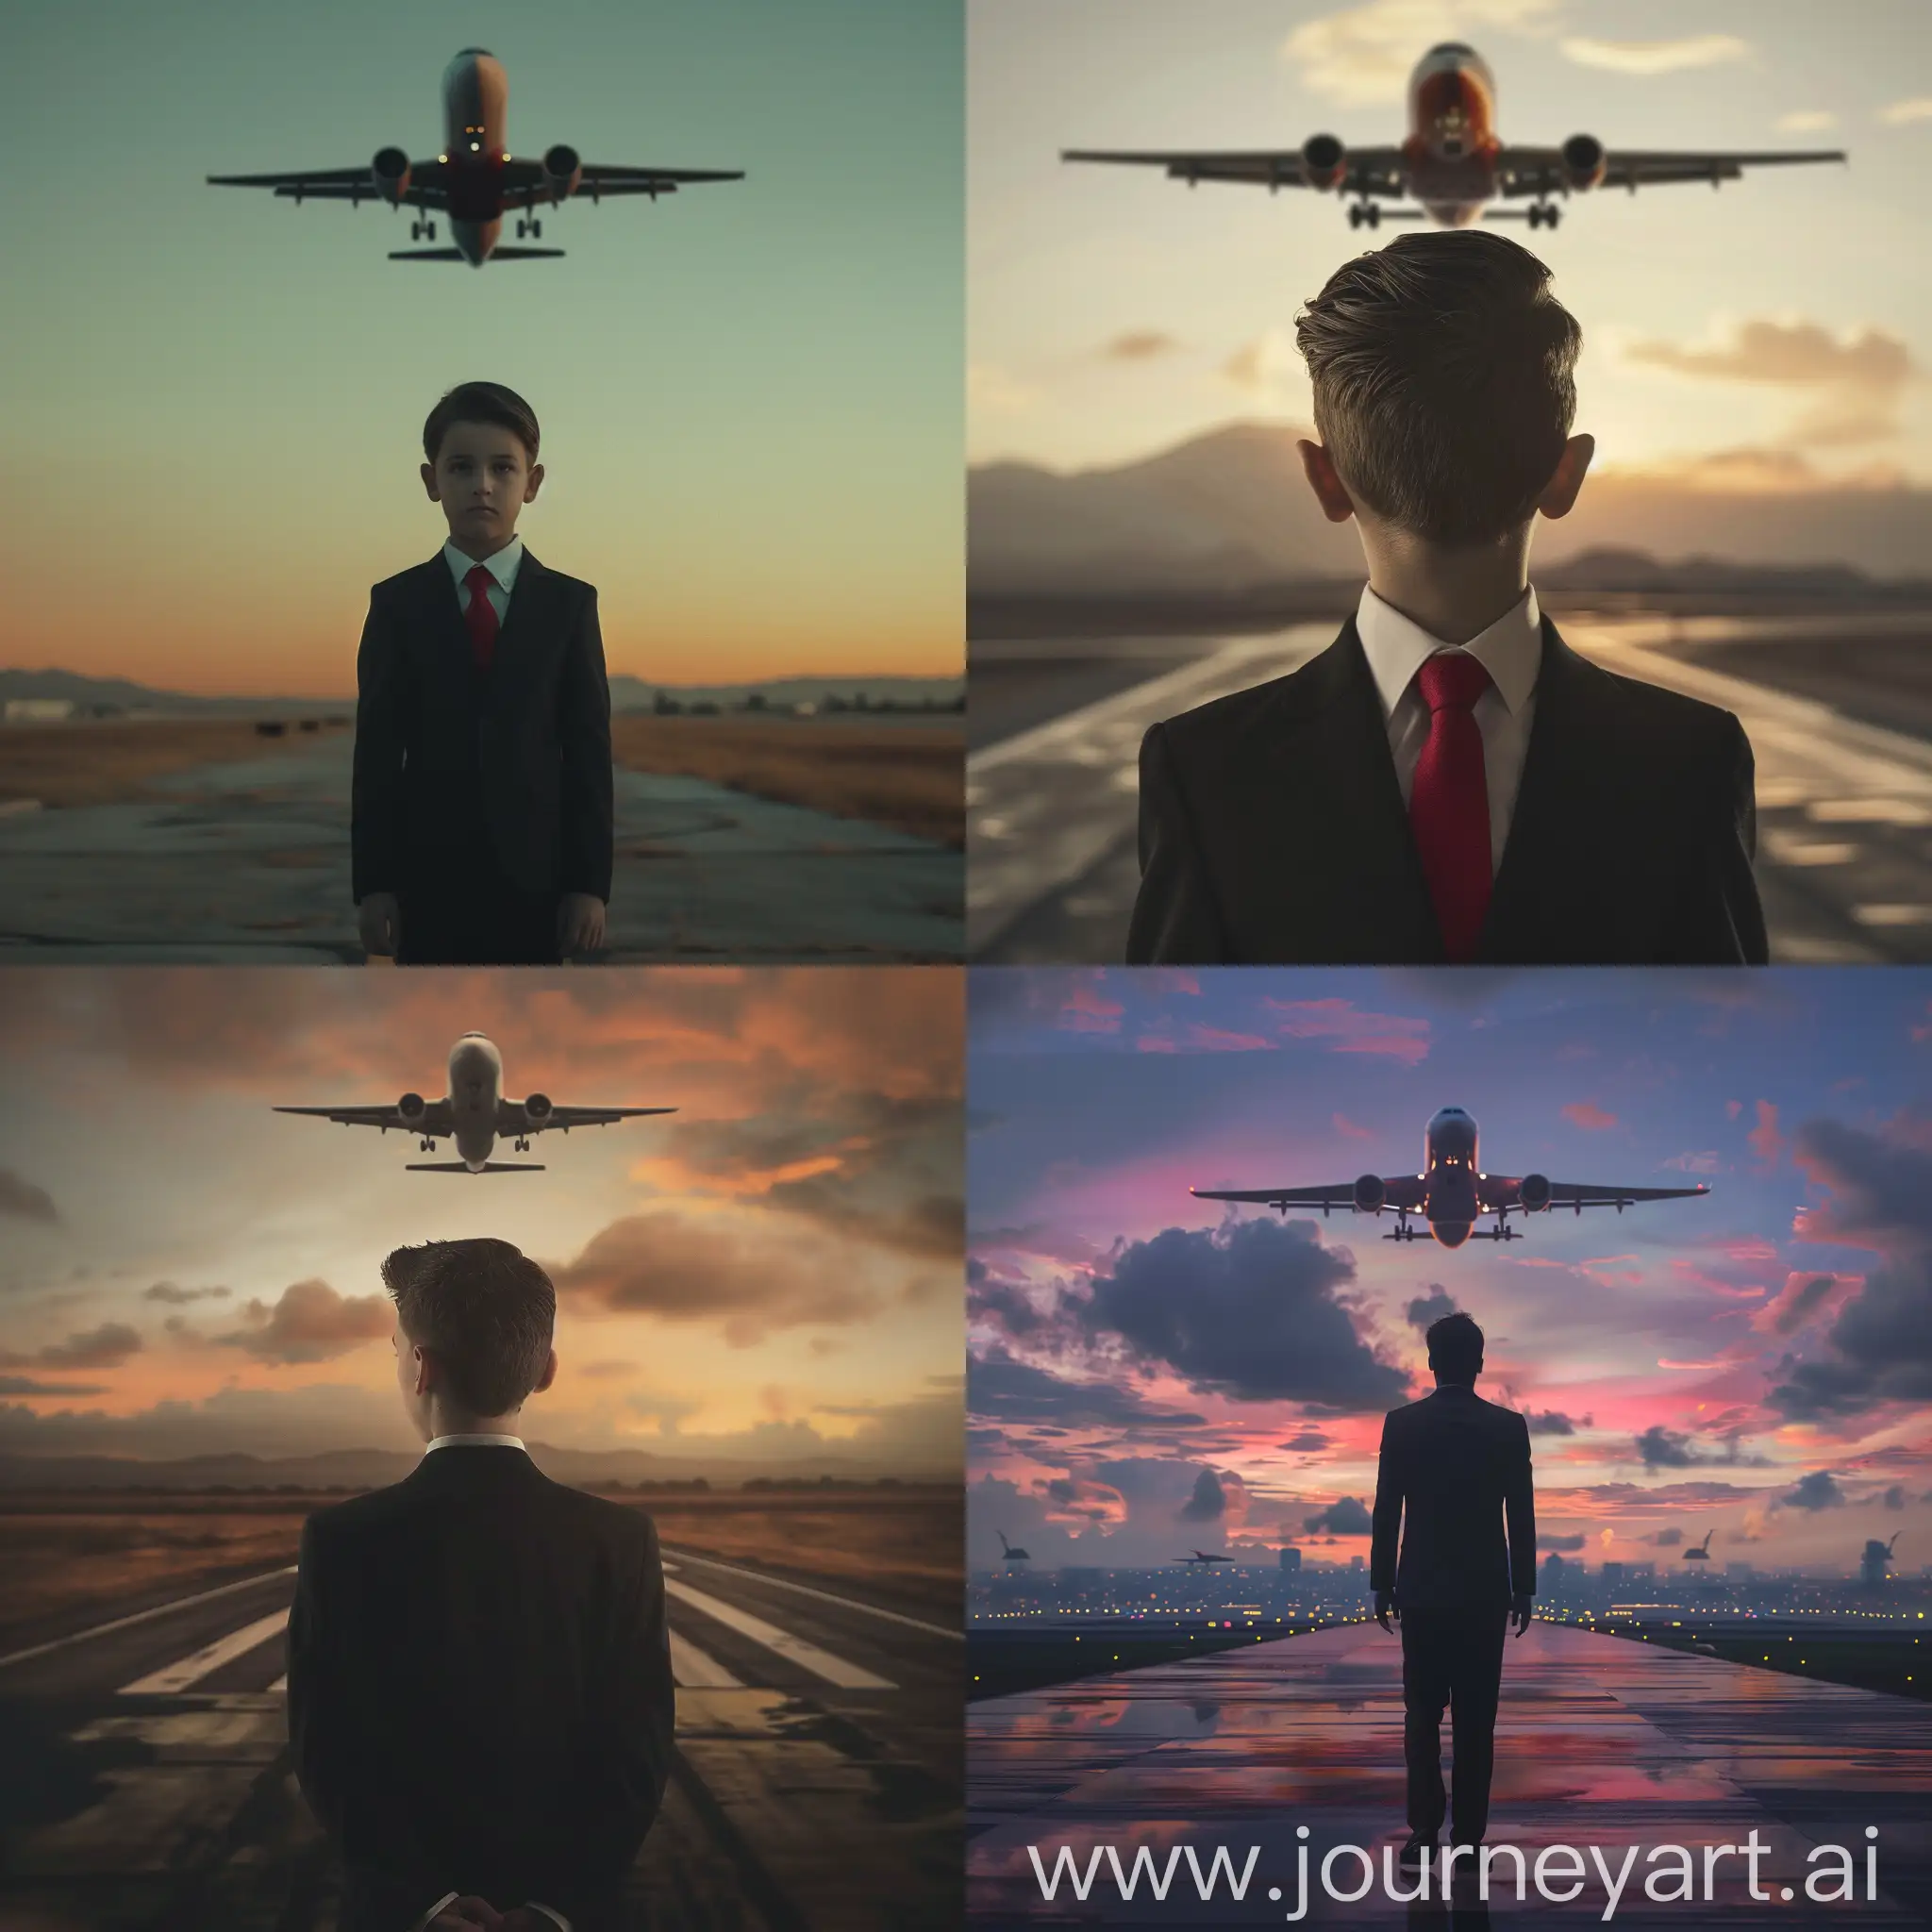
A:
(180, 1603)
(807, 1657)
(826, 1596)
(694, 1670)
(210, 1659)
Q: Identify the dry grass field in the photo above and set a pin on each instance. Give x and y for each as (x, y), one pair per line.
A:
(110, 761)
(103, 1552)
(908, 776)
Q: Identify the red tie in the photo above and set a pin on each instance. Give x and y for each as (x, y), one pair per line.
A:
(481, 618)
(1449, 804)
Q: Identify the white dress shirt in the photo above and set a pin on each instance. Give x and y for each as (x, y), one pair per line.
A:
(501, 569)
(449, 1898)
(1511, 650)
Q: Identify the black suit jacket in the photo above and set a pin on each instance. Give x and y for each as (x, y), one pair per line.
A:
(451, 762)
(1272, 829)
(1458, 1466)
(480, 1690)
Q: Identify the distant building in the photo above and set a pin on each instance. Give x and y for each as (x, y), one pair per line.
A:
(1292, 1560)
(1358, 1563)
(39, 710)
(1613, 1576)
(1554, 1567)
(1740, 1572)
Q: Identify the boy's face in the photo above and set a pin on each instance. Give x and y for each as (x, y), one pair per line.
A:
(482, 476)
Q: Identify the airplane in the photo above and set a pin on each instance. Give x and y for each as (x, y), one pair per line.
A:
(475, 177)
(1201, 1556)
(1011, 1556)
(1451, 1194)
(475, 1114)
(1452, 160)
(1700, 1553)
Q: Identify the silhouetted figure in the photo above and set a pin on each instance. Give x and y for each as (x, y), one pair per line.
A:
(1456, 1467)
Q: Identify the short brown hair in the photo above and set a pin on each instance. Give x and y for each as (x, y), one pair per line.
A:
(1444, 377)
(1455, 1346)
(484, 1309)
(480, 401)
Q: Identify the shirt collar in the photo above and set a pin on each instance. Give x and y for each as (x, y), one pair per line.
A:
(1511, 650)
(503, 566)
(466, 1441)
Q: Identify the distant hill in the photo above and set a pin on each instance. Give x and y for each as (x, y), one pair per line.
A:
(1228, 514)
(627, 693)
(360, 1469)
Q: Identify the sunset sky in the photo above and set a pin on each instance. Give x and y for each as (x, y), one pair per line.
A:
(1776, 334)
(750, 392)
(772, 1266)
(1153, 1373)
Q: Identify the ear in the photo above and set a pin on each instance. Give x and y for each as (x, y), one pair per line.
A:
(1559, 492)
(530, 488)
(1330, 492)
(426, 1370)
(549, 1375)
(430, 482)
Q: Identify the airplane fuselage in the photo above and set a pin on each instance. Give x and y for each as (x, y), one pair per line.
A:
(1450, 1204)
(476, 116)
(1450, 150)
(475, 1086)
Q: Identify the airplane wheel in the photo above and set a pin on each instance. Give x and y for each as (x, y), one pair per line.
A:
(430, 229)
(536, 229)
(415, 231)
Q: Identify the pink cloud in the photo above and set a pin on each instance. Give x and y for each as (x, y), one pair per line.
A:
(1352, 1030)
(1766, 1142)
(1733, 1109)
(1216, 1039)
(1155, 1043)
(1087, 1011)
(1586, 1114)
(1347, 1128)
(1805, 1300)
(1924, 1029)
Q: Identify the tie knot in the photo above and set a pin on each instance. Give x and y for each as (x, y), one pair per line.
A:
(479, 580)
(1452, 681)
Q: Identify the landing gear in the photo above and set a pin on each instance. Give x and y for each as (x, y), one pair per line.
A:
(1544, 214)
(1365, 214)
(523, 1144)
(1403, 1232)
(422, 231)
(425, 1146)
(529, 224)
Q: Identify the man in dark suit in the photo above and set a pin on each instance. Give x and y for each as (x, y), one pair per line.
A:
(1457, 1469)
(482, 810)
(1448, 782)
(479, 1675)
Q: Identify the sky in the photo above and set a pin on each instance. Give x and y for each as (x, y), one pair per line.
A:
(1772, 336)
(1150, 1374)
(771, 1269)
(749, 393)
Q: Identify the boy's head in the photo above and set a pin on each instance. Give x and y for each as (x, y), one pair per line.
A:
(474, 1322)
(479, 449)
(1443, 372)
(1456, 1349)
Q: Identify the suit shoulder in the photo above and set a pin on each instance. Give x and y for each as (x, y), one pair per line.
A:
(614, 1522)
(338, 1522)
(410, 582)
(1664, 716)
(1208, 730)
(563, 582)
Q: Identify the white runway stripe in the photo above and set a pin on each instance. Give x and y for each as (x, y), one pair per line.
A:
(826, 1596)
(181, 1603)
(694, 1670)
(807, 1657)
(279, 1685)
(204, 1663)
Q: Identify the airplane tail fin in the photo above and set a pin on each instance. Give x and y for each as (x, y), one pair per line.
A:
(462, 1167)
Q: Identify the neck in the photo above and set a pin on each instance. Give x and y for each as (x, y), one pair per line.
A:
(474, 556)
(442, 1422)
(1452, 594)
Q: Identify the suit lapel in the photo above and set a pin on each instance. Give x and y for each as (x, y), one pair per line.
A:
(520, 621)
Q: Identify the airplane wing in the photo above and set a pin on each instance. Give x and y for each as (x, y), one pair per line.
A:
(1401, 1191)
(511, 1118)
(1500, 1192)
(1539, 170)
(1367, 170)
(425, 189)
(526, 185)
(435, 1118)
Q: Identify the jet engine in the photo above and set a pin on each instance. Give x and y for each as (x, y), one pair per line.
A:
(390, 171)
(1583, 162)
(563, 168)
(1533, 1190)
(1370, 1193)
(1323, 162)
(537, 1108)
(411, 1106)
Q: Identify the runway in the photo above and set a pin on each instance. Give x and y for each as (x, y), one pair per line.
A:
(1844, 861)
(248, 862)
(1599, 1741)
(144, 1779)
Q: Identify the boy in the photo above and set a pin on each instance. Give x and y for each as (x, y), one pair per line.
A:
(481, 827)
(479, 1671)
(1448, 781)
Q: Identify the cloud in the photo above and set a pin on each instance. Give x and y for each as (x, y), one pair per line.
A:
(1901, 113)
(105, 1347)
(1087, 1009)
(1656, 56)
(1305, 1442)
(26, 1385)
(1806, 121)
(1249, 1309)
(1561, 1543)
(1666, 1539)
(1364, 54)
(1662, 1448)
(1818, 1491)
(1352, 1030)
(1270, 370)
(168, 1291)
(310, 1322)
(1859, 380)
(1895, 1498)
(1348, 1517)
(1553, 1422)
(26, 1201)
(1140, 345)
(1764, 1138)
(1587, 1115)
(1800, 1301)
(1000, 1388)
(1347, 1129)
(1208, 1504)
(1430, 1307)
